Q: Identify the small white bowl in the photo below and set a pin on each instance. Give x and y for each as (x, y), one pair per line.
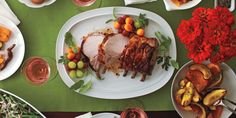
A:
(232, 7)
(171, 6)
(32, 5)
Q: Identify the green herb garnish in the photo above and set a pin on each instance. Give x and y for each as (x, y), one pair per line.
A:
(77, 85)
(70, 43)
(114, 16)
(164, 45)
(86, 87)
(63, 60)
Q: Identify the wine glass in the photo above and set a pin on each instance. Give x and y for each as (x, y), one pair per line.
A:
(87, 4)
(39, 70)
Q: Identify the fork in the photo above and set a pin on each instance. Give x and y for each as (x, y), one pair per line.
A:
(220, 102)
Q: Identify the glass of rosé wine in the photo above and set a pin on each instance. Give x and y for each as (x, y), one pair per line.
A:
(39, 70)
(84, 3)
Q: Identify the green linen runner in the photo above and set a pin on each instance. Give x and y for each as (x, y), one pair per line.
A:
(40, 28)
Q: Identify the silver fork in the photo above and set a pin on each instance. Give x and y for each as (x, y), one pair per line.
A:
(220, 102)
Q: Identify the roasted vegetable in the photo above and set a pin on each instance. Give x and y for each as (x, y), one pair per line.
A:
(196, 77)
(183, 82)
(214, 96)
(196, 97)
(199, 109)
(215, 81)
(9, 57)
(202, 68)
(188, 95)
(214, 68)
(179, 94)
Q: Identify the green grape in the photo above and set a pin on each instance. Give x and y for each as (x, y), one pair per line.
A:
(80, 64)
(138, 24)
(72, 65)
(79, 74)
(72, 74)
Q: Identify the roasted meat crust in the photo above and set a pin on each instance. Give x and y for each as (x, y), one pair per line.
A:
(139, 56)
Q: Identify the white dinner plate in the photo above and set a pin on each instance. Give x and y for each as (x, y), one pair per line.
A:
(228, 83)
(17, 97)
(32, 5)
(171, 6)
(116, 87)
(106, 115)
(18, 51)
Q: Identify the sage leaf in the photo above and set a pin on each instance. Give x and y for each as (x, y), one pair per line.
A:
(86, 87)
(77, 85)
(175, 64)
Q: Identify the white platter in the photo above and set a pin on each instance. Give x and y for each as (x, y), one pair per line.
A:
(171, 6)
(15, 96)
(114, 87)
(18, 51)
(228, 83)
(106, 115)
(32, 5)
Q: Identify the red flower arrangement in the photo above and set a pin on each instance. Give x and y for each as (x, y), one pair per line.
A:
(208, 35)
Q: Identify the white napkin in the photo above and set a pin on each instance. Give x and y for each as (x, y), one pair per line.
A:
(5, 11)
(87, 115)
(128, 2)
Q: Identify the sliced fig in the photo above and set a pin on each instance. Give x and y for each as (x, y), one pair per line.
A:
(203, 69)
(133, 113)
(214, 96)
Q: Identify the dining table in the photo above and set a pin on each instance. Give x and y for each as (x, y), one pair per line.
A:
(40, 28)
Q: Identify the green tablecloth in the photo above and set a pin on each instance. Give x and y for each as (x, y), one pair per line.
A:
(40, 28)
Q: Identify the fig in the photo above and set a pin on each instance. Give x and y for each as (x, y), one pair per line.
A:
(196, 77)
(214, 96)
(203, 69)
(199, 109)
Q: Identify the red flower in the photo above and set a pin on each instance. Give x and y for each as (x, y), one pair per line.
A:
(216, 32)
(223, 15)
(200, 14)
(199, 52)
(208, 35)
(188, 31)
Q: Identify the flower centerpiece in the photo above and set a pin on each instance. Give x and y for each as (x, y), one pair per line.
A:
(208, 35)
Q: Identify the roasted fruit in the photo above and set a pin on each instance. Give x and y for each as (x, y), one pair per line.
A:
(4, 34)
(202, 68)
(179, 94)
(214, 68)
(1, 59)
(196, 97)
(214, 96)
(199, 109)
(215, 81)
(196, 77)
(183, 82)
(188, 95)
(217, 113)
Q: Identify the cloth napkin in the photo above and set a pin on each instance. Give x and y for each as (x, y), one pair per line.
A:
(5, 11)
(87, 115)
(128, 2)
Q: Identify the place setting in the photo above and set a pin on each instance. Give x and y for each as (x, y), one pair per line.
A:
(118, 59)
